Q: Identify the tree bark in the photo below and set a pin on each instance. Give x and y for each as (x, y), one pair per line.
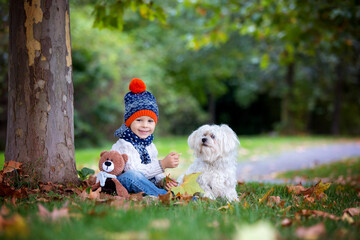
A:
(40, 131)
(287, 121)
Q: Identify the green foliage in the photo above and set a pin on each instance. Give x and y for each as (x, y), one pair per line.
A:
(110, 14)
(84, 173)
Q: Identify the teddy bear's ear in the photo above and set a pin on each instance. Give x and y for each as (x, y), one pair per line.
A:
(125, 157)
(102, 153)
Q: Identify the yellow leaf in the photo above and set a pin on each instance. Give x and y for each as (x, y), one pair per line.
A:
(226, 207)
(266, 195)
(189, 185)
(320, 188)
(347, 218)
(16, 226)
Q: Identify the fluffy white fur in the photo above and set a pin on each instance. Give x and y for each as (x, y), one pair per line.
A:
(215, 149)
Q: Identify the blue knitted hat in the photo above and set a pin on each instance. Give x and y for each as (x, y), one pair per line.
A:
(139, 102)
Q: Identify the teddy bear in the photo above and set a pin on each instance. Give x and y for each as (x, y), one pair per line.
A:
(111, 165)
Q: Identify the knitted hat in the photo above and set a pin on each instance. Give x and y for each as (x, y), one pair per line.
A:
(139, 102)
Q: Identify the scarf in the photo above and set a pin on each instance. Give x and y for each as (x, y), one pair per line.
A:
(139, 144)
(102, 176)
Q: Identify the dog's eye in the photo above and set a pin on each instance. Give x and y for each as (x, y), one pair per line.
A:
(107, 159)
(212, 136)
(111, 160)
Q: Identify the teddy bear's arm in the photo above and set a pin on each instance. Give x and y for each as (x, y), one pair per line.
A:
(120, 190)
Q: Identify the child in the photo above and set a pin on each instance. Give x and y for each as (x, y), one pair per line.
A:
(143, 172)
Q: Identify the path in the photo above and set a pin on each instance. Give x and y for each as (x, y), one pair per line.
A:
(266, 166)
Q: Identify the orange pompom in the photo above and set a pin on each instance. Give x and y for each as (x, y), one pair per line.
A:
(137, 85)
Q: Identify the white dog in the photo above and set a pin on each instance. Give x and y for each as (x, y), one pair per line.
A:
(215, 148)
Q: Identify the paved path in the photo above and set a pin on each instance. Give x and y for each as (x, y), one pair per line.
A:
(264, 167)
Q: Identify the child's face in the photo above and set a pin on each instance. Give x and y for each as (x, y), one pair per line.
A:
(143, 126)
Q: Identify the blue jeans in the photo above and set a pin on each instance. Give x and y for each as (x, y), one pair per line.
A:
(136, 182)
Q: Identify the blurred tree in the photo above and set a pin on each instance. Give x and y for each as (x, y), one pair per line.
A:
(4, 39)
(294, 30)
(40, 114)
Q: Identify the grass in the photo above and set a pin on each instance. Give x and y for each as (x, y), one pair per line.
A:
(198, 220)
(150, 219)
(346, 168)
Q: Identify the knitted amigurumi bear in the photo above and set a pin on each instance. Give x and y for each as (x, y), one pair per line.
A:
(111, 165)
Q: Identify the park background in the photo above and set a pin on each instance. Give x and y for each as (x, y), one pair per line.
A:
(283, 74)
(290, 68)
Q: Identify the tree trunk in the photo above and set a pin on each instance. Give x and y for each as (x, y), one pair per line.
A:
(40, 131)
(338, 91)
(287, 121)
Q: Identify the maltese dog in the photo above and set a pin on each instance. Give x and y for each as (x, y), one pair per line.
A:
(215, 148)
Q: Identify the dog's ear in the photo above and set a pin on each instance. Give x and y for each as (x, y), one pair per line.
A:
(230, 140)
(192, 140)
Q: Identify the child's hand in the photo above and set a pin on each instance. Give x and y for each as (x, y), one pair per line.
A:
(170, 184)
(171, 160)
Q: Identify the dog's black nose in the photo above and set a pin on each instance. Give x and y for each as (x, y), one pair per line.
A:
(108, 163)
(204, 140)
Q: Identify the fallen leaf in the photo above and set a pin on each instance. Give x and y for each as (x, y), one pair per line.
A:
(313, 232)
(347, 218)
(55, 215)
(352, 211)
(46, 187)
(213, 224)
(126, 235)
(94, 195)
(275, 201)
(265, 197)
(320, 188)
(286, 222)
(84, 195)
(11, 166)
(15, 227)
(162, 224)
(259, 230)
(184, 198)
(316, 213)
(226, 207)
(167, 179)
(189, 185)
(137, 196)
(4, 211)
(285, 209)
(165, 198)
(295, 189)
(309, 200)
(6, 191)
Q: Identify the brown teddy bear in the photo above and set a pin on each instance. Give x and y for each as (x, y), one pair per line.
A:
(111, 165)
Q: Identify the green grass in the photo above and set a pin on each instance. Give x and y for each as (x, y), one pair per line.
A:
(198, 220)
(346, 168)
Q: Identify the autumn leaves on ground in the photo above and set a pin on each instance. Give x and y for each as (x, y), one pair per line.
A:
(264, 211)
